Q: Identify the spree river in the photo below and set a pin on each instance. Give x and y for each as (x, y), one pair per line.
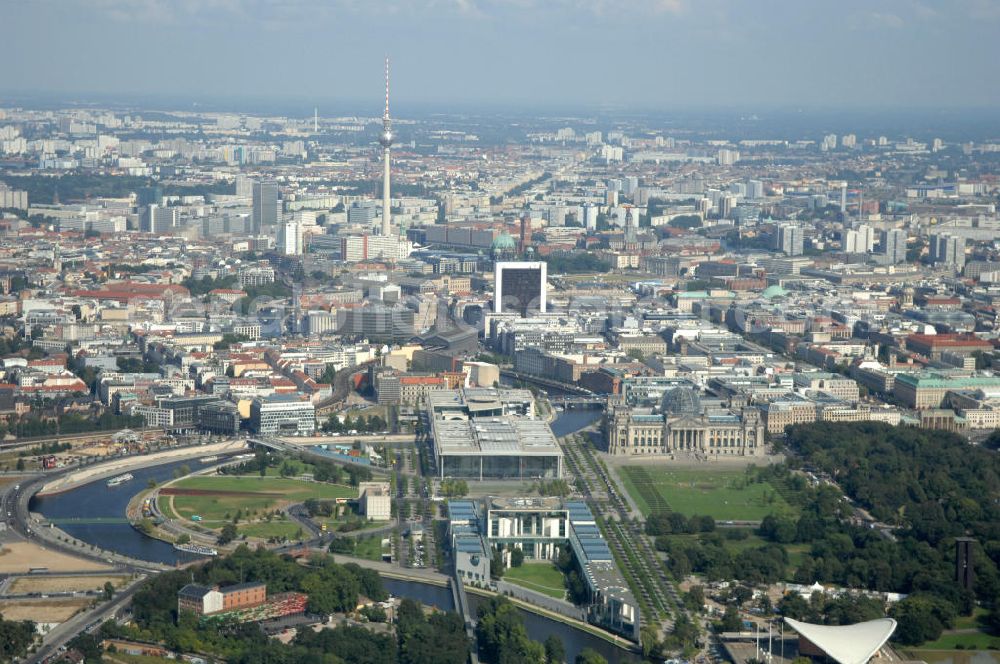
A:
(95, 513)
(539, 627)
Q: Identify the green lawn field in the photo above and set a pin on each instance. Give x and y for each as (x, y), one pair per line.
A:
(967, 640)
(723, 495)
(369, 547)
(542, 577)
(268, 529)
(246, 493)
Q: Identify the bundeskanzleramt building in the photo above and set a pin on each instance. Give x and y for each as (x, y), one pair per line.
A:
(541, 528)
(680, 426)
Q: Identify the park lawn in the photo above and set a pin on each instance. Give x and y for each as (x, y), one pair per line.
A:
(333, 523)
(968, 641)
(542, 577)
(369, 548)
(268, 529)
(722, 495)
(975, 621)
(273, 493)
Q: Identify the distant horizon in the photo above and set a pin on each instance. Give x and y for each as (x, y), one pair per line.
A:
(761, 122)
(642, 54)
(361, 107)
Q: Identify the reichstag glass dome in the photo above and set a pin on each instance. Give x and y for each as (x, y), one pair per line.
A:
(681, 401)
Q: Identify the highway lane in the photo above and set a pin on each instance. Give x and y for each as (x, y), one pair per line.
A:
(88, 621)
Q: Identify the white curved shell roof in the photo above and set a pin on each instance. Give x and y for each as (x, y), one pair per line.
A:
(847, 644)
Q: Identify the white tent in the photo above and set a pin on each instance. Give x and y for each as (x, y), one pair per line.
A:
(847, 644)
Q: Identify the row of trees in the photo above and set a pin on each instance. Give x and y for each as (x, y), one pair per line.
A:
(565, 262)
(31, 425)
(361, 424)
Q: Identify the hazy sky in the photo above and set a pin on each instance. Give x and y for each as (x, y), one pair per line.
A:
(641, 54)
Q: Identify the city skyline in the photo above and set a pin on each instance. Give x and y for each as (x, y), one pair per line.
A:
(647, 55)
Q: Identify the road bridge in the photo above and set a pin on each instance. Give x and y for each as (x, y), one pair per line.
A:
(595, 401)
(548, 383)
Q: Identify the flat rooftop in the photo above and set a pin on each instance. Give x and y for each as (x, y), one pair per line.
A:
(477, 398)
(496, 436)
(533, 503)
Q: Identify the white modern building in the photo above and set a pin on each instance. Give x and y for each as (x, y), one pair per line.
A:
(282, 415)
(519, 287)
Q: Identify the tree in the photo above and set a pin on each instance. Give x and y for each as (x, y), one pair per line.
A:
(502, 637)
(555, 651)
(731, 621)
(590, 656)
(228, 534)
(109, 591)
(15, 638)
(694, 599)
(921, 618)
(516, 557)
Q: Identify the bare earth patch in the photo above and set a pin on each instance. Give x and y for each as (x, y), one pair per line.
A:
(42, 610)
(67, 584)
(20, 557)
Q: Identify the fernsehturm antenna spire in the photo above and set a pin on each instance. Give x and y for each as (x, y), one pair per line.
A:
(386, 141)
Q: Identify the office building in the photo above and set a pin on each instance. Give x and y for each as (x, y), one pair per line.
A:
(487, 433)
(282, 415)
(860, 240)
(354, 248)
(375, 500)
(243, 186)
(519, 287)
(12, 198)
(790, 240)
(893, 244)
(266, 210)
(727, 157)
(159, 219)
(290, 237)
(361, 213)
(948, 250)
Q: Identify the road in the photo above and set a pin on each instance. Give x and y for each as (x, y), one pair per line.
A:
(88, 621)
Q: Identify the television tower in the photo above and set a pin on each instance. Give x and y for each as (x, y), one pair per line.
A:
(385, 140)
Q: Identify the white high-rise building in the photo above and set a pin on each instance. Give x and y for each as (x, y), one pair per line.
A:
(159, 219)
(727, 157)
(790, 240)
(244, 186)
(290, 237)
(755, 189)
